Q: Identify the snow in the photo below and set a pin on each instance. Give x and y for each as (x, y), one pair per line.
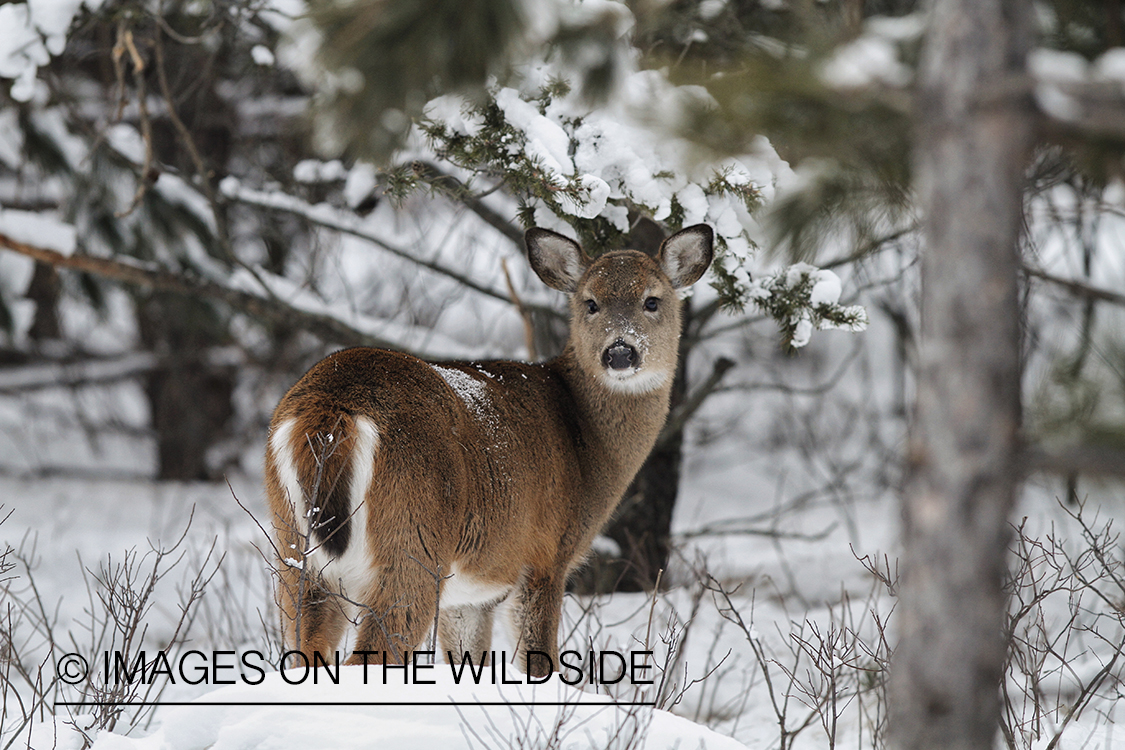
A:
(1057, 66)
(1111, 65)
(262, 55)
(865, 61)
(30, 34)
(1057, 103)
(360, 183)
(313, 170)
(898, 28)
(726, 480)
(453, 112)
(300, 716)
(595, 191)
(744, 457)
(15, 273)
(826, 290)
(473, 392)
(627, 152)
(21, 50)
(40, 229)
(708, 9)
(802, 333)
(546, 140)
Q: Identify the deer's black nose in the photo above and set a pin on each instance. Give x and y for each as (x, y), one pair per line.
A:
(620, 356)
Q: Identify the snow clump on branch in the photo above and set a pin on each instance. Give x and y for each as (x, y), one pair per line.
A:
(592, 170)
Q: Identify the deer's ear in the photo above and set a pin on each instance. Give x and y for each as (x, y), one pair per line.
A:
(556, 259)
(686, 255)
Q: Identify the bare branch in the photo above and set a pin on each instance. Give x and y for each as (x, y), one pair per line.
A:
(1077, 288)
(682, 413)
(75, 373)
(459, 191)
(148, 173)
(1101, 460)
(525, 314)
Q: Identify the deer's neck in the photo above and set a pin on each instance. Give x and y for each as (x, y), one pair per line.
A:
(619, 428)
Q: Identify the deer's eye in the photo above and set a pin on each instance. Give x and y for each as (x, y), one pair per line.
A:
(651, 304)
(591, 306)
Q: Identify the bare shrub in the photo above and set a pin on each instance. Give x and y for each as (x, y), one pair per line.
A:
(1065, 629)
(47, 669)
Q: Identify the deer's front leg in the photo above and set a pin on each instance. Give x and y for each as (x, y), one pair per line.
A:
(536, 610)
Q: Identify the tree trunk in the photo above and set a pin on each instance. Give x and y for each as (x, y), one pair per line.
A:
(44, 290)
(973, 138)
(190, 398)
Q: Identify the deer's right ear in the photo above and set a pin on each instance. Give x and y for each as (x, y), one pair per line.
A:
(556, 259)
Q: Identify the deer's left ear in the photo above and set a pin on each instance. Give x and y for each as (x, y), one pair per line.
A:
(686, 255)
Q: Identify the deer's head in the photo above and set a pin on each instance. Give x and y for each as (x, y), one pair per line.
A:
(625, 310)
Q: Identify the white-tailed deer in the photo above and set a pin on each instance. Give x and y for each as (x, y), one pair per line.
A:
(403, 490)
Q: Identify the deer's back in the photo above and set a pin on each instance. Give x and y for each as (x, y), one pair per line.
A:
(479, 456)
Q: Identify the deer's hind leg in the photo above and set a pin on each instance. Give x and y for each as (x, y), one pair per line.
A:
(312, 618)
(396, 613)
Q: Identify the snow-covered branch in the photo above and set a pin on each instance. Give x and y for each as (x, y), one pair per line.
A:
(301, 311)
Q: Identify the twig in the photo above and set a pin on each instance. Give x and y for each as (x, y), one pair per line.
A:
(325, 216)
(682, 413)
(1076, 287)
(525, 314)
(1101, 460)
(148, 174)
(460, 192)
(722, 529)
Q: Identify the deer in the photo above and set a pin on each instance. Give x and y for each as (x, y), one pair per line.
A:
(407, 495)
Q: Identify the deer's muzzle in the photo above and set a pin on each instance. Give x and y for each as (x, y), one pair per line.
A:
(620, 356)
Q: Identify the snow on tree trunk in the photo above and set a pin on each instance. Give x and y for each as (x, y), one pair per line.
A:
(974, 134)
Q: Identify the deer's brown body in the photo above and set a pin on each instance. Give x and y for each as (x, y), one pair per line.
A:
(397, 484)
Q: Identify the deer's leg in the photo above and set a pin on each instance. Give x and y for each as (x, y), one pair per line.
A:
(396, 612)
(312, 617)
(536, 609)
(466, 629)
